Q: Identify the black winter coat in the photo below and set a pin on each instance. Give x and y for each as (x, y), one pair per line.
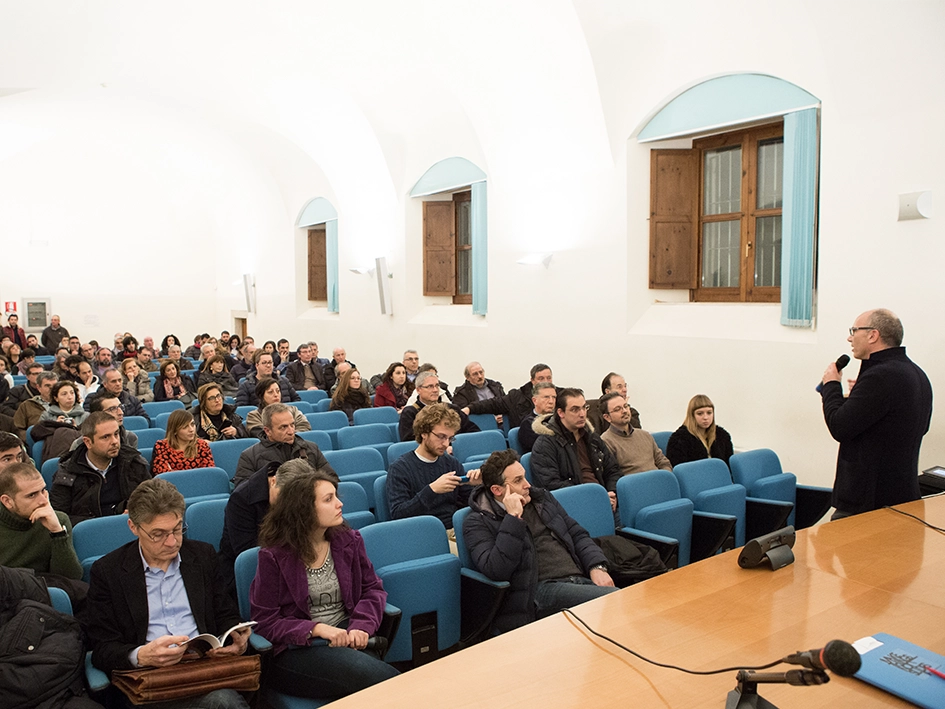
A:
(683, 447)
(554, 461)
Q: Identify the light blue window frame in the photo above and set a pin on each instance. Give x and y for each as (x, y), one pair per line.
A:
(320, 211)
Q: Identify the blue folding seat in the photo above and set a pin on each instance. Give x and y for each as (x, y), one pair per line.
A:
(204, 521)
(360, 465)
(480, 443)
(381, 414)
(94, 538)
(329, 421)
(199, 484)
(226, 454)
(372, 435)
(313, 396)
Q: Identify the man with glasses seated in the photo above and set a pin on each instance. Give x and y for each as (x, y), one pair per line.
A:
(568, 450)
(634, 448)
(428, 392)
(428, 480)
(150, 595)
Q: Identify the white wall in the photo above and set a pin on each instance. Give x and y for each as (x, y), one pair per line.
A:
(188, 168)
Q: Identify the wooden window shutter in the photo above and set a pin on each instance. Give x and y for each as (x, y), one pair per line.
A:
(674, 218)
(317, 264)
(439, 249)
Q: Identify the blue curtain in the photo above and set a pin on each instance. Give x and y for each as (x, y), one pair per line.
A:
(480, 261)
(799, 210)
(331, 254)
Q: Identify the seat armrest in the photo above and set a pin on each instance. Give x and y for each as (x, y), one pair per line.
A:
(480, 601)
(812, 504)
(765, 516)
(667, 547)
(259, 643)
(97, 680)
(482, 578)
(711, 533)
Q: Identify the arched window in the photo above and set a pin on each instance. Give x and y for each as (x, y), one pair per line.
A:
(734, 216)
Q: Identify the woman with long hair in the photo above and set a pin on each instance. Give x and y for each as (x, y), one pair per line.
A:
(136, 382)
(167, 342)
(395, 388)
(349, 396)
(269, 392)
(215, 419)
(66, 406)
(314, 580)
(171, 385)
(699, 437)
(181, 449)
(215, 371)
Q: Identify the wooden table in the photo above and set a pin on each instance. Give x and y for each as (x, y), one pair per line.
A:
(877, 572)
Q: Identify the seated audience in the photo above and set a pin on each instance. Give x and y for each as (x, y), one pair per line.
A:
(612, 382)
(86, 380)
(30, 411)
(214, 371)
(428, 392)
(270, 347)
(234, 344)
(146, 360)
(174, 355)
(268, 392)
(427, 367)
(182, 449)
(171, 385)
(193, 351)
(33, 344)
(215, 419)
(27, 357)
(395, 389)
(517, 404)
(32, 534)
(14, 353)
(699, 437)
(245, 362)
(521, 534)
(103, 362)
(411, 364)
(134, 381)
(333, 370)
(305, 373)
(350, 395)
(64, 406)
(314, 580)
(150, 595)
(5, 373)
(167, 343)
(264, 368)
(477, 387)
(111, 385)
(569, 452)
(129, 348)
(634, 448)
(97, 477)
(543, 398)
(426, 481)
(247, 507)
(111, 405)
(281, 444)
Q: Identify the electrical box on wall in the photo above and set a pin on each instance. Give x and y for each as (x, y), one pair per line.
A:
(37, 314)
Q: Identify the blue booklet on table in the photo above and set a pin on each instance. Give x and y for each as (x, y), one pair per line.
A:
(901, 668)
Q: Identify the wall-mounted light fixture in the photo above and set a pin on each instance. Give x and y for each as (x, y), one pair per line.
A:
(535, 259)
(915, 205)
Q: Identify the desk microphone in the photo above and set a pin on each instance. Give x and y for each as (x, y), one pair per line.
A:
(838, 656)
(842, 361)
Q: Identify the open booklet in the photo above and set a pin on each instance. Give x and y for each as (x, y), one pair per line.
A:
(205, 641)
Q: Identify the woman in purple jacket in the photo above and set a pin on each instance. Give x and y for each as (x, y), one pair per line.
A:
(315, 581)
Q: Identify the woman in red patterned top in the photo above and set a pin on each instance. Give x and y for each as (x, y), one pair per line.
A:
(181, 450)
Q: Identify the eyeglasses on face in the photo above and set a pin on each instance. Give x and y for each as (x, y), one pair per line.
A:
(442, 437)
(160, 536)
(854, 329)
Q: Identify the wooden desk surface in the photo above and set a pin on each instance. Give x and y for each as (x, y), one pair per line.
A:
(878, 572)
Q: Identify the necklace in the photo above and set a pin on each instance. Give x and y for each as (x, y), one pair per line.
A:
(321, 570)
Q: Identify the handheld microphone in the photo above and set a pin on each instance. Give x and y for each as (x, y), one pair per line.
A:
(842, 361)
(838, 656)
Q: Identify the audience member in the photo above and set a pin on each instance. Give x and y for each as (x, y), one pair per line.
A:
(59, 367)
(5, 373)
(569, 452)
(334, 370)
(305, 374)
(634, 448)
(214, 418)
(64, 405)
(444, 387)
(129, 348)
(395, 389)
(86, 380)
(245, 364)
(134, 381)
(111, 405)
(281, 444)
(193, 351)
(427, 480)
(265, 368)
(166, 343)
(86, 350)
(477, 387)
(97, 477)
(174, 355)
(32, 534)
(699, 437)
(33, 343)
(14, 355)
(548, 559)
(517, 404)
(170, 385)
(268, 392)
(612, 382)
(31, 410)
(314, 580)
(146, 360)
(214, 371)
(350, 394)
(103, 362)
(14, 331)
(111, 384)
(246, 508)
(181, 449)
(53, 334)
(149, 596)
(412, 364)
(543, 399)
(20, 393)
(428, 392)
(27, 357)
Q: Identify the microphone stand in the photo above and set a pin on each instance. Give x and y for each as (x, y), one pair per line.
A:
(745, 695)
